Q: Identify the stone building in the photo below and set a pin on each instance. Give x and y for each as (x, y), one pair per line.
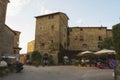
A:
(51, 33)
(54, 37)
(23, 58)
(30, 46)
(16, 42)
(8, 37)
(6, 40)
(87, 38)
(3, 7)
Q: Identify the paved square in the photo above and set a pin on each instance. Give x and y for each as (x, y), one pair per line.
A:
(61, 73)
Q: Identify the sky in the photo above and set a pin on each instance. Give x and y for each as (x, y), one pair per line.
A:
(82, 13)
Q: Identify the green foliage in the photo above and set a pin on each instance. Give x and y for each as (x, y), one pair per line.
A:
(36, 58)
(107, 43)
(76, 62)
(4, 71)
(116, 39)
(7, 70)
(50, 60)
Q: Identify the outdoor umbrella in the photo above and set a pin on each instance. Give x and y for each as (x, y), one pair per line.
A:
(86, 53)
(10, 57)
(105, 52)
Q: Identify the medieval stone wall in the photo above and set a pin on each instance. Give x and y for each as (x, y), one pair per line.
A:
(6, 41)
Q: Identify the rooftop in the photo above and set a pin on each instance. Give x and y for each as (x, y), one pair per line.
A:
(51, 14)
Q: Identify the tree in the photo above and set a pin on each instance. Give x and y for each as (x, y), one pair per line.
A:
(116, 39)
(107, 43)
(36, 58)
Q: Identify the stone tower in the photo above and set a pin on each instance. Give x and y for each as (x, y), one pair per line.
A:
(51, 33)
(3, 9)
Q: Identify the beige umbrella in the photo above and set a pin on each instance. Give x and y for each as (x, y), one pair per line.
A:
(86, 53)
(105, 52)
(65, 57)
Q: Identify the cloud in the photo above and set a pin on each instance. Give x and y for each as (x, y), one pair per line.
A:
(15, 6)
(79, 21)
(82, 22)
(46, 11)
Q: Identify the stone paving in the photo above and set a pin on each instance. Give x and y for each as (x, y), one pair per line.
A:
(61, 73)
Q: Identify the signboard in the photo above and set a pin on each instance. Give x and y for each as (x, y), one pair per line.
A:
(112, 63)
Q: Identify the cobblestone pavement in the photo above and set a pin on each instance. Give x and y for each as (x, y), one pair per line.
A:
(61, 73)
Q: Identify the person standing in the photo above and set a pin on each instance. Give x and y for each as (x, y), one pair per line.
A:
(45, 59)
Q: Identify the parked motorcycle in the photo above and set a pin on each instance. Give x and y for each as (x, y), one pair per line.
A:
(19, 67)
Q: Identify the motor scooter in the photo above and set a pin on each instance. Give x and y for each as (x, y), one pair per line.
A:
(19, 67)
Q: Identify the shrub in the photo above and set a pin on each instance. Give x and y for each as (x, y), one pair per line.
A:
(76, 63)
(4, 71)
(50, 60)
(36, 58)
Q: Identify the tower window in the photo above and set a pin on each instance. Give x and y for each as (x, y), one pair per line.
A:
(41, 27)
(81, 38)
(50, 16)
(81, 29)
(42, 44)
(99, 46)
(100, 38)
(99, 28)
(52, 27)
(51, 41)
(84, 45)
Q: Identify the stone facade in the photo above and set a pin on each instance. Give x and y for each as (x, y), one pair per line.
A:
(23, 58)
(16, 42)
(109, 33)
(51, 33)
(6, 40)
(53, 36)
(30, 46)
(8, 37)
(87, 38)
(3, 7)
